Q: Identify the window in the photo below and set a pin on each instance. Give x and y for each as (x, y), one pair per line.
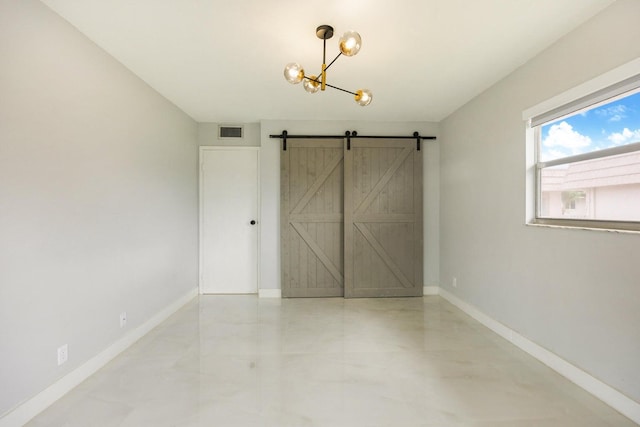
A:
(587, 160)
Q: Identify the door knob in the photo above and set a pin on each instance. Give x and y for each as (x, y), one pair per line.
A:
(253, 222)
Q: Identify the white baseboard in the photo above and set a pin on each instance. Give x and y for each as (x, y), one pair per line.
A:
(430, 290)
(612, 397)
(32, 407)
(277, 293)
(269, 293)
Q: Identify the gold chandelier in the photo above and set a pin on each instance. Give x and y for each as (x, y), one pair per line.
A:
(349, 45)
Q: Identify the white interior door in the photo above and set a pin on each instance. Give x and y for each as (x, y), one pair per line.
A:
(229, 205)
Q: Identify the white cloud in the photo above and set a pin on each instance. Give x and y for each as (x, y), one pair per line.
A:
(618, 109)
(562, 135)
(619, 138)
(614, 114)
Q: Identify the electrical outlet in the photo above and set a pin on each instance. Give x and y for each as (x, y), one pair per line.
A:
(63, 354)
(123, 319)
(454, 282)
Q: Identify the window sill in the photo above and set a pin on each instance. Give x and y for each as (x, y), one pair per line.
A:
(607, 226)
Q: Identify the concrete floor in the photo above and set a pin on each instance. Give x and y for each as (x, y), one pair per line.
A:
(402, 362)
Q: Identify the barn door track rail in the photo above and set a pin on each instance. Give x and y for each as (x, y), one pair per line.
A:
(349, 135)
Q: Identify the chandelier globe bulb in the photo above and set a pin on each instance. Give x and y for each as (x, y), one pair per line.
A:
(311, 84)
(294, 73)
(350, 43)
(364, 97)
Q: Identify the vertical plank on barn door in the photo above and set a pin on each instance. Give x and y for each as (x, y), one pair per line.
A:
(312, 218)
(383, 218)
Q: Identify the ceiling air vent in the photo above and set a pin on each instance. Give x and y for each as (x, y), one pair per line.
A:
(230, 132)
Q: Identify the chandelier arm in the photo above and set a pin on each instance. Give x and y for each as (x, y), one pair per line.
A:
(331, 86)
(343, 90)
(317, 79)
(334, 60)
(324, 51)
(313, 80)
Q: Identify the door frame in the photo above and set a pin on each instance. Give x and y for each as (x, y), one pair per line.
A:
(202, 149)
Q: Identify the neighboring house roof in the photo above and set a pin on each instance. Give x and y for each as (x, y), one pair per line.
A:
(614, 170)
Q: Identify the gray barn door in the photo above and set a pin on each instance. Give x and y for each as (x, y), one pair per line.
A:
(312, 202)
(383, 218)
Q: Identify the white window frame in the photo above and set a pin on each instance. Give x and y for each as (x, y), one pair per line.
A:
(597, 90)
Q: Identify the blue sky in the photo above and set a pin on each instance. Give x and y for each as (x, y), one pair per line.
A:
(610, 125)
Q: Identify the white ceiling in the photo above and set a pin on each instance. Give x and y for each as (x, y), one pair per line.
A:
(223, 60)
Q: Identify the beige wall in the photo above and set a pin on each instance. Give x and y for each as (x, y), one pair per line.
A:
(619, 202)
(98, 200)
(574, 292)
